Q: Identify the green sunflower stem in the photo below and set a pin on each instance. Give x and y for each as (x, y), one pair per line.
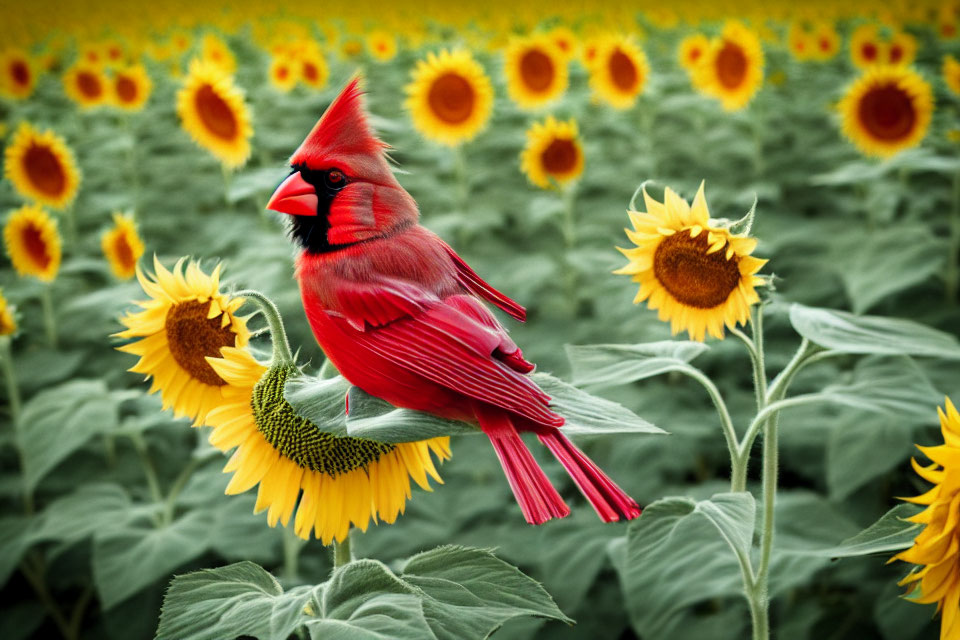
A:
(462, 193)
(282, 356)
(570, 242)
(49, 318)
(953, 260)
(10, 377)
(341, 551)
(227, 181)
(291, 554)
(70, 218)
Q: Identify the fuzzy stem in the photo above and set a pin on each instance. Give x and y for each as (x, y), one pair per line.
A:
(49, 318)
(291, 554)
(282, 356)
(341, 551)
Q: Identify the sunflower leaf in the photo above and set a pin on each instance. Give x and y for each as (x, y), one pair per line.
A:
(891, 532)
(608, 365)
(849, 333)
(321, 401)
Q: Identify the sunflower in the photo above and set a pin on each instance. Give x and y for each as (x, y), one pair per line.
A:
(86, 85)
(113, 53)
(382, 45)
(866, 47)
(691, 50)
(936, 547)
(565, 40)
(131, 87)
(887, 109)
(902, 49)
(450, 98)
(122, 246)
(313, 70)
(33, 242)
(553, 153)
(951, 74)
(826, 42)
(19, 76)
(91, 55)
(536, 71)
(732, 71)
(283, 73)
(344, 480)
(351, 48)
(698, 274)
(619, 71)
(800, 41)
(186, 320)
(213, 112)
(216, 52)
(41, 167)
(8, 321)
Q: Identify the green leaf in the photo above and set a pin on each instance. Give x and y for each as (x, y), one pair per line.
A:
(321, 401)
(58, 421)
(885, 386)
(672, 561)
(607, 365)
(89, 509)
(240, 599)
(849, 333)
(14, 541)
(877, 444)
(371, 417)
(470, 592)
(890, 533)
(365, 601)
(127, 560)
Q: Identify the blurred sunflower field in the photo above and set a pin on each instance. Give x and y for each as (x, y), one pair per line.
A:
(735, 228)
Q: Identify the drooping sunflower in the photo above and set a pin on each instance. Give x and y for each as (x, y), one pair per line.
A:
(699, 275)
(553, 153)
(449, 97)
(866, 46)
(619, 71)
(86, 85)
(216, 52)
(937, 547)
(313, 70)
(122, 246)
(41, 167)
(901, 49)
(692, 49)
(8, 319)
(887, 109)
(131, 87)
(382, 45)
(951, 73)
(212, 110)
(186, 320)
(19, 75)
(732, 71)
(535, 70)
(343, 480)
(33, 242)
(283, 73)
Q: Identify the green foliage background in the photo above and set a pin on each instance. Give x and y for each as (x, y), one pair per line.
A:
(840, 231)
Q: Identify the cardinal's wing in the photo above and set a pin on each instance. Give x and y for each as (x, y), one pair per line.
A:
(454, 342)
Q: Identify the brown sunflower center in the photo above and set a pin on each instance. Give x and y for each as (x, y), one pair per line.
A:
(869, 51)
(451, 98)
(193, 336)
(89, 85)
(731, 65)
(215, 114)
(691, 275)
(824, 45)
(44, 170)
(560, 156)
(282, 73)
(622, 70)
(36, 247)
(126, 89)
(310, 72)
(536, 70)
(123, 252)
(896, 53)
(298, 439)
(694, 54)
(20, 73)
(887, 112)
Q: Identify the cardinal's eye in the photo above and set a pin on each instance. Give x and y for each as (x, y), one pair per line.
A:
(336, 179)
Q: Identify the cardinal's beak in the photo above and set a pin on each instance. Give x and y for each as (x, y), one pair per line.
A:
(295, 196)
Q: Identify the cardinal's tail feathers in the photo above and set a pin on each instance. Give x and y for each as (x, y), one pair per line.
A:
(538, 499)
(609, 500)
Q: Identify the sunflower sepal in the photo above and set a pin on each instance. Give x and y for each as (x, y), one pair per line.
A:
(742, 226)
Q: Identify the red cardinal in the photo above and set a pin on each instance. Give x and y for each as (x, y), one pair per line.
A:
(399, 313)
